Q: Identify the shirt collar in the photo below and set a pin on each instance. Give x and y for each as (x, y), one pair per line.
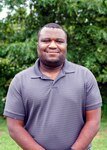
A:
(37, 73)
(67, 68)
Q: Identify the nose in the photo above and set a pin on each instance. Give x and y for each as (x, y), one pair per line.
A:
(52, 45)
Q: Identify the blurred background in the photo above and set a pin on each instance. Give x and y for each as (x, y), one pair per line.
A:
(85, 22)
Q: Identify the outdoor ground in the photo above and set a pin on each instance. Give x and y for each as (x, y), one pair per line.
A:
(6, 143)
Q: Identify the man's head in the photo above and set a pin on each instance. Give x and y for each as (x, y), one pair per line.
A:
(52, 25)
(52, 45)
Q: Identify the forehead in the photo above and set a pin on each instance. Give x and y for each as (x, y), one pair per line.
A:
(52, 33)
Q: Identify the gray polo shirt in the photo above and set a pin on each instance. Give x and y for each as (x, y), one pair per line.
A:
(53, 110)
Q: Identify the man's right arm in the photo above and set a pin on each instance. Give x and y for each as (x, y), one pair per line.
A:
(21, 136)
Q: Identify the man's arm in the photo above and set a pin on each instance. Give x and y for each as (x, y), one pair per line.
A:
(21, 136)
(89, 130)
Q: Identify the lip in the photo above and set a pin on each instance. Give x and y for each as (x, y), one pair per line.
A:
(52, 51)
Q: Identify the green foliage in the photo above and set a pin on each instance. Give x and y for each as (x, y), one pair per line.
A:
(14, 3)
(14, 57)
(83, 20)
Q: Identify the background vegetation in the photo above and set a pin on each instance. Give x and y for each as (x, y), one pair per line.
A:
(85, 22)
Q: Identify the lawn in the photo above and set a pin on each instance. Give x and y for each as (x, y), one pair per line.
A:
(6, 143)
(100, 141)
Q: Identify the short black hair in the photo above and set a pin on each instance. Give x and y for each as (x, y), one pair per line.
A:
(52, 25)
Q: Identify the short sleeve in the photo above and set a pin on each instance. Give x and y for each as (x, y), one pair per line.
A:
(93, 96)
(14, 107)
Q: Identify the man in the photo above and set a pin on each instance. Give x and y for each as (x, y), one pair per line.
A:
(55, 104)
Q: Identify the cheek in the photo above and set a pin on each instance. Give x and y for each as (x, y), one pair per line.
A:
(41, 51)
(63, 49)
(42, 47)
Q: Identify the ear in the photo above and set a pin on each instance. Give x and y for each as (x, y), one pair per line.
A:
(37, 44)
(37, 47)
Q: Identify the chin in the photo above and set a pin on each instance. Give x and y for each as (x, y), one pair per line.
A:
(53, 62)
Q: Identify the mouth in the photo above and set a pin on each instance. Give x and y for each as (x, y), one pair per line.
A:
(52, 51)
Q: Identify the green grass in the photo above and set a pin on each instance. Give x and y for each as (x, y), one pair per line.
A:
(6, 143)
(100, 141)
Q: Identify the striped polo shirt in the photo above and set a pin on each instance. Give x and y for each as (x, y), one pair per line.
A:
(53, 110)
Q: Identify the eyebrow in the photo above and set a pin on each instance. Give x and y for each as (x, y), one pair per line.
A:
(47, 38)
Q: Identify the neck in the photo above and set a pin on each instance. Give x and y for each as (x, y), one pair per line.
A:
(50, 71)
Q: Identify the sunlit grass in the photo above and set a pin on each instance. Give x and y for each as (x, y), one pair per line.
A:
(6, 143)
(100, 141)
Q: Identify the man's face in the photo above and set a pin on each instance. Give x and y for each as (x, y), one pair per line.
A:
(52, 46)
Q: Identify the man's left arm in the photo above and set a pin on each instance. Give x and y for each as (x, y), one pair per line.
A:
(89, 130)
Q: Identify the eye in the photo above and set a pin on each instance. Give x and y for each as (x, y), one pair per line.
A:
(59, 41)
(45, 40)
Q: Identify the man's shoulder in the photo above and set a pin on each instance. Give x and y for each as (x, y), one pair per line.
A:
(26, 72)
(80, 71)
(78, 67)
